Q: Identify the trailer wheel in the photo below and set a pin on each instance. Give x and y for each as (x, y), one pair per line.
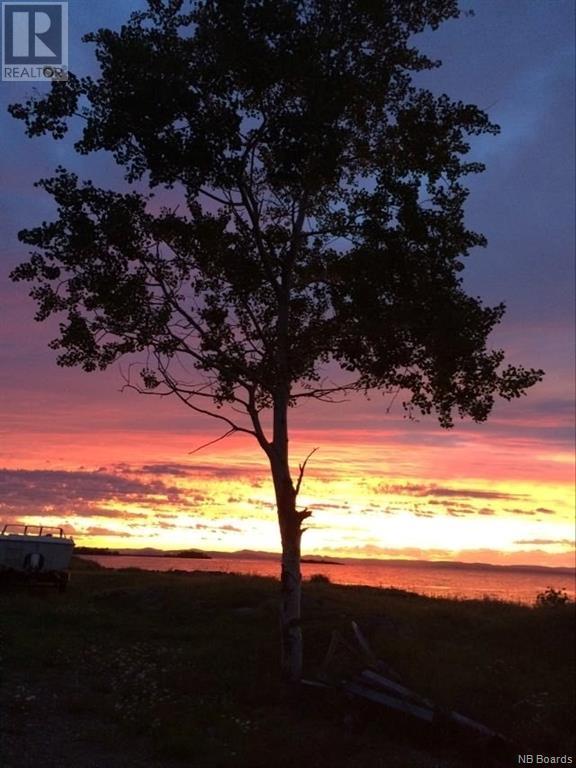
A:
(62, 582)
(34, 562)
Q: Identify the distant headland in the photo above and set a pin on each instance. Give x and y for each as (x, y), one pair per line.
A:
(147, 552)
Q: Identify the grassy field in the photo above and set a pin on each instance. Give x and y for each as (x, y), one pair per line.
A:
(185, 668)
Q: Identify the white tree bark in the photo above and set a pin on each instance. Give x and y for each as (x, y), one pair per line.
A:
(289, 520)
(290, 610)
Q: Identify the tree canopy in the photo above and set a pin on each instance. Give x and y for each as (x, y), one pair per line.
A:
(321, 218)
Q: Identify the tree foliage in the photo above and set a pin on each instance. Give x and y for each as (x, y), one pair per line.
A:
(336, 227)
(321, 219)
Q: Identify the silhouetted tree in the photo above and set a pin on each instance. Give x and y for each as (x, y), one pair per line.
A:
(321, 220)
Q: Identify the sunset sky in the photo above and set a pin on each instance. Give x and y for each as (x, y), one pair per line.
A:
(116, 468)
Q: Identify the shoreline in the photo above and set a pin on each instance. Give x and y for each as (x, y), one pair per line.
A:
(344, 561)
(447, 593)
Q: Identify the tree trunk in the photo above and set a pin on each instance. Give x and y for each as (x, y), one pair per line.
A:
(290, 596)
(290, 531)
(288, 517)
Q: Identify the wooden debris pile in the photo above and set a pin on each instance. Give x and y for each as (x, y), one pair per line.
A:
(351, 666)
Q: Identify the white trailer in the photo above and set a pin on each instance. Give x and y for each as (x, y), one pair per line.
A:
(35, 553)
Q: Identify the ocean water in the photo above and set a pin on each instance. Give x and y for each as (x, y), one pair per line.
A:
(466, 582)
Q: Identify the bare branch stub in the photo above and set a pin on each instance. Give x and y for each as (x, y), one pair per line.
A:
(301, 469)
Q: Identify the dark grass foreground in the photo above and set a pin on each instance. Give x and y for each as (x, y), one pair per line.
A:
(133, 668)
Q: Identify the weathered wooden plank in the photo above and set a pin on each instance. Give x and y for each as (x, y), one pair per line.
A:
(364, 645)
(339, 650)
(392, 702)
(410, 697)
(334, 643)
(466, 722)
(373, 678)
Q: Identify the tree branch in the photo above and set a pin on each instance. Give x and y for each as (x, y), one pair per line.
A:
(322, 393)
(222, 201)
(251, 208)
(301, 468)
(186, 399)
(212, 442)
(256, 423)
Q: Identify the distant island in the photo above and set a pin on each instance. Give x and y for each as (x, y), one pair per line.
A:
(320, 561)
(95, 551)
(193, 553)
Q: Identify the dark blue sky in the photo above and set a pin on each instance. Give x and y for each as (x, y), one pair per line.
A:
(514, 58)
